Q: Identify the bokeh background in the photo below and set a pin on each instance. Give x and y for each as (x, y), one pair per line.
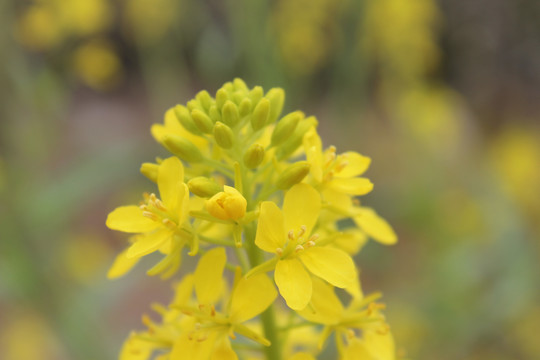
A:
(443, 95)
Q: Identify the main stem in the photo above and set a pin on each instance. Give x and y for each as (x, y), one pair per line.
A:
(273, 352)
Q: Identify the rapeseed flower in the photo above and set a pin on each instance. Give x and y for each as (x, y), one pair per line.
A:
(262, 188)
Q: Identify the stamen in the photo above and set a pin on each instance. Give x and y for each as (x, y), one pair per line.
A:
(169, 223)
(212, 311)
(290, 234)
(314, 238)
(279, 251)
(160, 205)
(341, 166)
(143, 207)
(298, 248)
(303, 229)
(150, 215)
(202, 338)
(383, 330)
(350, 334)
(309, 244)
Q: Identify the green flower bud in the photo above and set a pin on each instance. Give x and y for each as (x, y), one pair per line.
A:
(292, 175)
(214, 113)
(287, 148)
(244, 109)
(223, 135)
(221, 98)
(204, 99)
(202, 121)
(260, 114)
(203, 187)
(239, 84)
(182, 148)
(229, 113)
(194, 104)
(184, 117)
(150, 170)
(286, 127)
(256, 94)
(254, 156)
(277, 98)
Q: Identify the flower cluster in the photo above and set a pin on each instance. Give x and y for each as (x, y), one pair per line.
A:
(256, 195)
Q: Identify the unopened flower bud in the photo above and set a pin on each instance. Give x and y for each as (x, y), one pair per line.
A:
(244, 109)
(277, 98)
(204, 99)
(182, 148)
(254, 156)
(285, 127)
(203, 186)
(287, 148)
(239, 84)
(194, 104)
(221, 98)
(214, 114)
(223, 135)
(260, 114)
(227, 205)
(256, 94)
(150, 170)
(184, 118)
(292, 175)
(202, 121)
(229, 113)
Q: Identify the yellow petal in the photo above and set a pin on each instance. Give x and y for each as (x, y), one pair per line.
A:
(325, 306)
(121, 266)
(208, 276)
(130, 219)
(332, 265)
(337, 200)
(356, 350)
(135, 348)
(270, 230)
(190, 347)
(147, 243)
(350, 241)
(313, 148)
(251, 297)
(170, 178)
(380, 344)
(183, 203)
(223, 350)
(301, 206)
(351, 186)
(356, 164)
(183, 290)
(294, 283)
(375, 226)
(302, 356)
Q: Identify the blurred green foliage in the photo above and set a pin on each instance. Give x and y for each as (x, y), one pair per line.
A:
(439, 94)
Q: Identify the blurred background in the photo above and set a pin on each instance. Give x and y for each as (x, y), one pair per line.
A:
(442, 95)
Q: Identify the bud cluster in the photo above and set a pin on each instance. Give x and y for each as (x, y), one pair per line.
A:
(254, 193)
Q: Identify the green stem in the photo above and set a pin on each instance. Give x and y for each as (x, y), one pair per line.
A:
(273, 352)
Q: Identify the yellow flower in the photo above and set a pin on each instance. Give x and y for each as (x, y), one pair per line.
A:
(333, 172)
(158, 224)
(287, 234)
(362, 314)
(227, 205)
(374, 225)
(209, 339)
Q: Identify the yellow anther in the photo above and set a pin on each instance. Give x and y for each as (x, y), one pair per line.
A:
(350, 334)
(302, 231)
(150, 215)
(383, 330)
(143, 207)
(309, 244)
(298, 248)
(213, 311)
(341, 166)
(153, 197)
(314, 238)
(290, 234)
(159, 205)
(279, 251)
(169, 223)
(202, 338)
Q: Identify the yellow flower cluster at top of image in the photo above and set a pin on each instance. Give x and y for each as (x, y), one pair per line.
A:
(255, 194)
